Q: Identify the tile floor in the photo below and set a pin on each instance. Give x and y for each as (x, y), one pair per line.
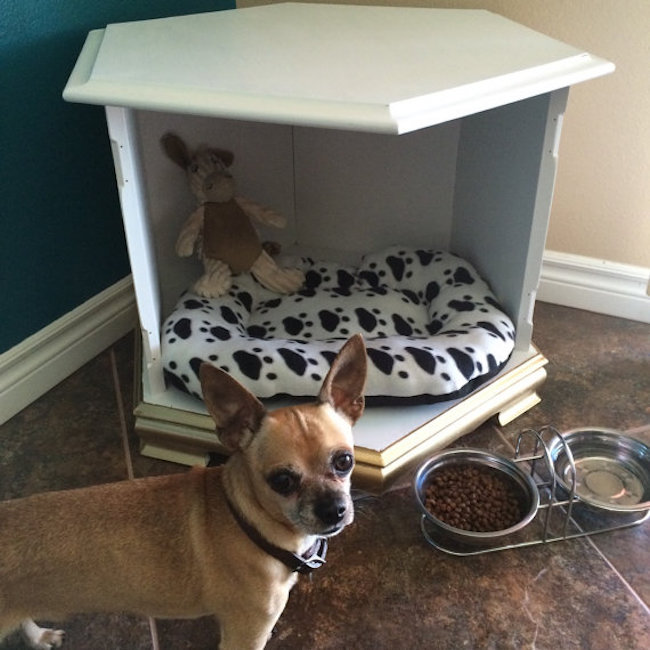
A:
(383, 586)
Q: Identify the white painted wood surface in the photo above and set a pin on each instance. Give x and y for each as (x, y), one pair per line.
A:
(600, 286)
(383, 69)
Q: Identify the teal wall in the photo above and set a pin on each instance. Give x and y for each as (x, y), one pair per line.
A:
(61, 236)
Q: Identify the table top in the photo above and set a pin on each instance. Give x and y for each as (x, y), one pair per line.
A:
(382, 69)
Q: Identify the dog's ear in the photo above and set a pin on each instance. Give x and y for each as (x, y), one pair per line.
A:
(343, 387)
(235, 410)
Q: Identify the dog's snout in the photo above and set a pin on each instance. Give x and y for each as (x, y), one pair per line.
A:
(331, 510)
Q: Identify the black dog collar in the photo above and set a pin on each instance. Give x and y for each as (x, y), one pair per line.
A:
(313, 558)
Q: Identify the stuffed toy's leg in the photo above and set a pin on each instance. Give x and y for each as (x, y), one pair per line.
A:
(216, 279)
(275, 278)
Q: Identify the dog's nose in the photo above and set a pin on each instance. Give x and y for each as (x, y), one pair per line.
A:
(331, 510)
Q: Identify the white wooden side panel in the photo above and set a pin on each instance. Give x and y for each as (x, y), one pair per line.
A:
(504, 187)
(122, 131)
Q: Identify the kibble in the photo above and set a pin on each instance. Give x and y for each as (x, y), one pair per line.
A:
(478, 499)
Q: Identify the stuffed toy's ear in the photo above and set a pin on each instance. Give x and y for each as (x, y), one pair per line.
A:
(176, 149)
(226, 157)
(236, 411)
(343, 387)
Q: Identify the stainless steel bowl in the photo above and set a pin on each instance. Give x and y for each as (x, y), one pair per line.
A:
(522, 482)
(612, 470)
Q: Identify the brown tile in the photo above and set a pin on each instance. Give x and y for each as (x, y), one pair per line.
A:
(68, 438)
(598, 370)
(188, 635)
(123, 351)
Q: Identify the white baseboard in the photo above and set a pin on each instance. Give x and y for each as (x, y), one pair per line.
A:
(595, 285)
(42, 360)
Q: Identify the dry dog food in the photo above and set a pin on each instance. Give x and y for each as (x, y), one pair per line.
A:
(472, 498)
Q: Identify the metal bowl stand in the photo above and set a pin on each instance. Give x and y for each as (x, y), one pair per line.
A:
(560, 516)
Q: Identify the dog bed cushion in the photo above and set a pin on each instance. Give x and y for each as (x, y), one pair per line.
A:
(433, 329)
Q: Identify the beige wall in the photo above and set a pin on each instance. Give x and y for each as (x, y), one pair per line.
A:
(602, 200)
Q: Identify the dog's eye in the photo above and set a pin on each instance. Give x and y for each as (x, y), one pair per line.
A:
(343, 462)
(284, 482)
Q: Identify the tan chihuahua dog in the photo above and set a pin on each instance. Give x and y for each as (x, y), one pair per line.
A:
(226, 541)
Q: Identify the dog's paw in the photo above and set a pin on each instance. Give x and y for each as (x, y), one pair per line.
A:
(42, 638)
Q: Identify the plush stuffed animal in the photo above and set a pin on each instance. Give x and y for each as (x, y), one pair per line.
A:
(220, 229)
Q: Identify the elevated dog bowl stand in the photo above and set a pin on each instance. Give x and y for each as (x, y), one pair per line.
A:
(562, 515)
(366, 127)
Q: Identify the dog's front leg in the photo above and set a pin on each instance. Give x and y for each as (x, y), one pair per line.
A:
(41, 638)
(246, 634)
(250, 628)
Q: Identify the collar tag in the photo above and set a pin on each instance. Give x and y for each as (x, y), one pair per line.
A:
(313, 558)
(316, 559)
